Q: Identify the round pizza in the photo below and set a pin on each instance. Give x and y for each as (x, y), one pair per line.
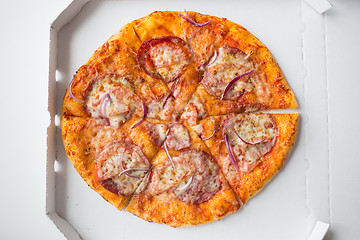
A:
(166, 116)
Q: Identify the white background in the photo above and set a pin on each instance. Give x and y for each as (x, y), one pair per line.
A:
(24, 66)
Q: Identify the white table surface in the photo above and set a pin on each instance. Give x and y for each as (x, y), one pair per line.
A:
(24, 27)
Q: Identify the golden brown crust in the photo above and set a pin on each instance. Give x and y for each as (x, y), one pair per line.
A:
(85, 136)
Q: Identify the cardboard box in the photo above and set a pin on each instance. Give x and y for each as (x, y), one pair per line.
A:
(287, 208)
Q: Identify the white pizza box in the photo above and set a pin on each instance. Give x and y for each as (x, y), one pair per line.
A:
(287, 208)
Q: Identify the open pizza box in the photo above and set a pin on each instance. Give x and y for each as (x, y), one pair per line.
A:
(287, 208)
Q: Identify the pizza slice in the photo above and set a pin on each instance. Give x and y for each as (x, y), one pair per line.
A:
(115, 162)
(242, 76)
(186, 186)
(175, 47)
(249, 148)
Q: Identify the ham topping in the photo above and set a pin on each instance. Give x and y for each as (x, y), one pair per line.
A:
(111, 97)
(120, 168)
(178, 137)
(251, 136)
(218, 77)
(204, 183)
(163, 57)
(193, 180)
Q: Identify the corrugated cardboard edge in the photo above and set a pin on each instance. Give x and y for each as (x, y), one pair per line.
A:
(316, 118)
(66, 16)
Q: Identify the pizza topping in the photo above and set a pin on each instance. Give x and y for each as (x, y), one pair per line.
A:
(143, 118)
(231, 155)
(168, 155)
(171, 92)
(105, 101)
(185, 184)
(166, 176)
(143, 183)
(213, 58)
(233, 81)
(228, 81)
(188, 19)
(213, 133)
(248, 138)
(120, 168)
(204, 183)
(163, 57)
(156, 132)
(249, 142)
(71, 94)
(157, 109)
(178, 137)
(227, 54)
(111, 97)
(194, 179)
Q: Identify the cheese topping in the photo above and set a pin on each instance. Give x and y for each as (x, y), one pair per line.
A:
(165, 177)
(112, 97)
(219, 76)
(193, 180)
(251, 137)
(163, 57)
(178, 137)
(114, 160)
(204, 183)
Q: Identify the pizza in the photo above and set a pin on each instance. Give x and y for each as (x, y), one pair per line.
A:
(166, 119)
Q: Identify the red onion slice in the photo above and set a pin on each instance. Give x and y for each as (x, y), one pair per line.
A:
(71, 94)
(204, 139)
(133, 169)
(233, 81)
(103, 105)
(167, 153)
(214, 58)
(171, 92)
(187, 185)
(143, 118)
(187, 18)
(123, 170)
(249, 142)
(231, 155)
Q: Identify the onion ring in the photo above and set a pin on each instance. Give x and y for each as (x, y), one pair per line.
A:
(204, 139)
(167, 153)
(133, 169)
(233, 81)
(71, 94)
(171, 92)
(187, 185)
(103, 104)
(143, 118)
(232, 158)
(249, 142)
(188, 19)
